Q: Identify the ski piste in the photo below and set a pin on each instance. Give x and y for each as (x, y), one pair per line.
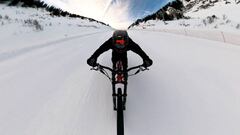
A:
(192, 87)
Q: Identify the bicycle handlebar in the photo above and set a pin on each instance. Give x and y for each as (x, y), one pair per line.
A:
(99, 67)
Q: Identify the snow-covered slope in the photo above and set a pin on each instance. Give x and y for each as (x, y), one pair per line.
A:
(46, 87)
(192, 88)
(28, 26)
(204, 14)
(226, 11)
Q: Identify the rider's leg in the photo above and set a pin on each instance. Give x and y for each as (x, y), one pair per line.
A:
(114, 96)
(114, 87)
(125, 84)
(125, 63)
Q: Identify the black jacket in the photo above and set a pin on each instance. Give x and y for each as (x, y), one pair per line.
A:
(120, 56)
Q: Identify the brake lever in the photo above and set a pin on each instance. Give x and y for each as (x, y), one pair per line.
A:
(96, 68)
(137, 71)
(142, 68)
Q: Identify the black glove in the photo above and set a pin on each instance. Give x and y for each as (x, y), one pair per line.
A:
(92, 62)
(147, 62)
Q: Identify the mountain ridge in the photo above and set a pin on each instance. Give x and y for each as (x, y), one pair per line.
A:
(183, 10)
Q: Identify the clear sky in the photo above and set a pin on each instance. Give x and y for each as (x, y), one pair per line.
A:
(118, 13)
(140, 8)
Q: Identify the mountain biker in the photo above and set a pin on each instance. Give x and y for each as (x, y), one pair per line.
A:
(120, 43)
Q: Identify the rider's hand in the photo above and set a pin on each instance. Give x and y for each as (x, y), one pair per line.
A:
(92, 62)
(147, 62)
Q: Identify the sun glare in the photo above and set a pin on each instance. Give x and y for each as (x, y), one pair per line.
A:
(112, 12)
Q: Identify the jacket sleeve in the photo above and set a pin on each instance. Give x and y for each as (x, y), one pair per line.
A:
(137, 49)
(104, 47)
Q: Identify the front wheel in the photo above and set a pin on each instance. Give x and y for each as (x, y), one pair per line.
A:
(120, 117)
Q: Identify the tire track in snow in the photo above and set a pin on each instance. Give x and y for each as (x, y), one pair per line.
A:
(12, 54)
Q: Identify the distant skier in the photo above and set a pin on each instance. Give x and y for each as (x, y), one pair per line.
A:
(120, 43)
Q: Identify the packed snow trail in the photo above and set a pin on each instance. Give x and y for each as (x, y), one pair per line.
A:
(191, 89)
(9, 52)
(48, 90)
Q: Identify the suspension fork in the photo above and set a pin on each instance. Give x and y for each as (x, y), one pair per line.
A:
(114, 94)
(125, 90)
(125, 83)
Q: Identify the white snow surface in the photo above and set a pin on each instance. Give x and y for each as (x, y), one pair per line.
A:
(219, 9)
(227, 19)
(46, 87)
(18, 22)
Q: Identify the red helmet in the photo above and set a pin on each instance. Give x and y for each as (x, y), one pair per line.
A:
(120, 40)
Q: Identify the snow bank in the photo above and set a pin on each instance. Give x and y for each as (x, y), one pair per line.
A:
(226, 37)
(218, 30)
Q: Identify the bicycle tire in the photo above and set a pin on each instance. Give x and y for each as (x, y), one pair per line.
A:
(120, 117)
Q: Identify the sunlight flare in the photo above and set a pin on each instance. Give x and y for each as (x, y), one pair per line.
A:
(112, 12)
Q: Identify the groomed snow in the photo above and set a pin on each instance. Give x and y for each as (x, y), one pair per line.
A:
(46, 87)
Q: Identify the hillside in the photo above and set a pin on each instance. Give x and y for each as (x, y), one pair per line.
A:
(200, 14)
(54, 11)
(25, 26)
